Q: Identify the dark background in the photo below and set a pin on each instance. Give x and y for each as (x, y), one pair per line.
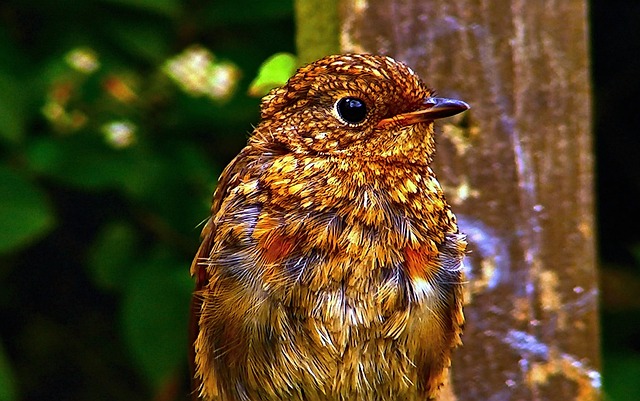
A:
(96, 235)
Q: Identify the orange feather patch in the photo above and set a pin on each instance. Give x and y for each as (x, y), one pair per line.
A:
(420, 262)
(275, 247)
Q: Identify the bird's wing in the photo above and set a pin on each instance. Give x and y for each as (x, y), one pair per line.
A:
(228, 180)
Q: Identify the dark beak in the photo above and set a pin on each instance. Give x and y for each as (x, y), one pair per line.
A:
(433, 108)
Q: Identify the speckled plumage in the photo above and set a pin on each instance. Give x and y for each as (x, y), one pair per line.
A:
(331, 266)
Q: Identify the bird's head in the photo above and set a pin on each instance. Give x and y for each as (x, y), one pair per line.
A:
(355, 104)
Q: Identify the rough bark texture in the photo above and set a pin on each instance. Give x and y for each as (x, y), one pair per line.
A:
(518, 169)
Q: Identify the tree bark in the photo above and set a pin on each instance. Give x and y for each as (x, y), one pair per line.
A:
(518, 170)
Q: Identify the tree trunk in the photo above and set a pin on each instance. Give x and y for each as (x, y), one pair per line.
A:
(518, 171)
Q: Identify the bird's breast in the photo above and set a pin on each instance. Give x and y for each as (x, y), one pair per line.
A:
(332, 275)
(351, 247)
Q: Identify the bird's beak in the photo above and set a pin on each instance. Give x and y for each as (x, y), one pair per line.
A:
(432, 109)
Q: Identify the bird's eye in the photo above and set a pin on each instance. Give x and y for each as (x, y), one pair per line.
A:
(351, 110)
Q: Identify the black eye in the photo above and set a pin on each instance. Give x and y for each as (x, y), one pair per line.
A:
(352, 110)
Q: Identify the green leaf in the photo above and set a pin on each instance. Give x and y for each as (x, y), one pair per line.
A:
(142, 40)
(168, 8)
(156, 313)
(81, 160)
(164, 182)
(12, 104)
(113, 255)
(246, 11)
(275, 71)
(25, 214)
(8, 391)
(621, 376)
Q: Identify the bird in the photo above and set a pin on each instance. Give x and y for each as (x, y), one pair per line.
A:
(331, 267)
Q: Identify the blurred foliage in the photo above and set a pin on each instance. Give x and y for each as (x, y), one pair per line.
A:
(116, 117)
(615, 41)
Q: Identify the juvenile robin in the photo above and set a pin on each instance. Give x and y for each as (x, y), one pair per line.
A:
(330, 268)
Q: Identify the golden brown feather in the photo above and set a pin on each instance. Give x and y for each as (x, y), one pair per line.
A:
(331, 266)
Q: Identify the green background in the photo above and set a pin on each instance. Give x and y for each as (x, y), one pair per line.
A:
(96, 237)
